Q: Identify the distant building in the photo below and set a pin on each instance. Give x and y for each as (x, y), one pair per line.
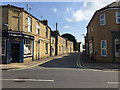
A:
(102, 41)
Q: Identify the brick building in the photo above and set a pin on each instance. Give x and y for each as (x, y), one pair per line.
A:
(102, 40)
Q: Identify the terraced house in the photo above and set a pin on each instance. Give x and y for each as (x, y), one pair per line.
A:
(24, 37)
(103, 34)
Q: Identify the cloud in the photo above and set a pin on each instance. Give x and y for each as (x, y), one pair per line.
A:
(54, 10)
(67, 26)
(87, 10)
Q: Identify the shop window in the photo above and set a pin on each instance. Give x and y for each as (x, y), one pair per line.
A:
(46, 48)
(38, 29)
(118, 17)
(103, 48)
(117, 47)
(29, 24)
(28, 47)
(102, 19)
(3, 47)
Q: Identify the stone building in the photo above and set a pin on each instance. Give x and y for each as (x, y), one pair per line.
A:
(103, 34)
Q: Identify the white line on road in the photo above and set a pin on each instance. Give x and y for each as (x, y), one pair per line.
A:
(39, 80)
(113, 82)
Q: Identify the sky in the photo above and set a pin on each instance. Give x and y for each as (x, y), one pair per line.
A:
(72, 17)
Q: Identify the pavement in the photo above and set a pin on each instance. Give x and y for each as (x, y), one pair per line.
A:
(90, 64)
(28, 64)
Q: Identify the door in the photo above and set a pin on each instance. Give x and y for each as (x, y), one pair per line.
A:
(15, 52)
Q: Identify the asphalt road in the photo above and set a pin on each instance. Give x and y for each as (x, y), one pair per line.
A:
(60, 73)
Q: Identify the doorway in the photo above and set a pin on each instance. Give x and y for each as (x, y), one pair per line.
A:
(15, 52)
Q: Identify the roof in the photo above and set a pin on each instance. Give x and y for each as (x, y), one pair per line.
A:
(24, 11)
(115, 4)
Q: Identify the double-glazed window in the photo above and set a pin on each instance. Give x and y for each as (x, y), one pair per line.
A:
(46, 48)
(38, 29)
(29, 24)
(46, 32)
(103, 48)
(28, 47)
(117, 47)
(118, 17)
(102, 19)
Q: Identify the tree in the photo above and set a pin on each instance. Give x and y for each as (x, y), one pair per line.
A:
(72, 38)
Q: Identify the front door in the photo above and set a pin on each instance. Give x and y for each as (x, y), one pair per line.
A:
(15, 52)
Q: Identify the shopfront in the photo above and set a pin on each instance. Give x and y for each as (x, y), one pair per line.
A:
(16, 46)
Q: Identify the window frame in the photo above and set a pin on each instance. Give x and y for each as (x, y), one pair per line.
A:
(104, 48)
(102, 20)
(46, 48)
(117, 18)
(30, 24)
(38, 28)
(46, 32)
(31, 47)
(116, 54)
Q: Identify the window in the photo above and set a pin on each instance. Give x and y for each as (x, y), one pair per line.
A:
(3, 47)
(90, 47)
(102, 19)
(46, 48)
(59, 48)
(118, 17)
(46, 32)
(117, 47)
(28, 47)
(103, 48)
(38, 28)
(92, 28)
(29, 24)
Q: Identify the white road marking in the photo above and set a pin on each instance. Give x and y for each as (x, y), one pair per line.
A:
(113, 82)
(39, 80)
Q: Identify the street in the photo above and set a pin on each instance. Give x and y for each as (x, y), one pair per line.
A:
(60, 73)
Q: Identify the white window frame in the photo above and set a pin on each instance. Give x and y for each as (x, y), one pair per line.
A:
(104, 48)
(38, 28)
(102, 20)
(30, 24)
(116, 54)
(117, 18)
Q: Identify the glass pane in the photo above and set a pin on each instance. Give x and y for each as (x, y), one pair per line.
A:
(103, 51)
(103, 44)
(102, 16)
(117, 48)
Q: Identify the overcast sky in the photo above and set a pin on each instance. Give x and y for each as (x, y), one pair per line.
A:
(72, 17)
